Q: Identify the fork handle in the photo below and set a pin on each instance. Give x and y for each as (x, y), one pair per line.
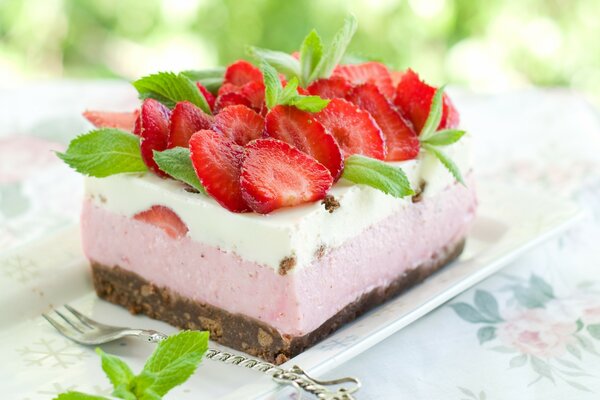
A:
(149, 335)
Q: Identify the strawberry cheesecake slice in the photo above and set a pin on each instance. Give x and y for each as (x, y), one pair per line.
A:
(272, 209)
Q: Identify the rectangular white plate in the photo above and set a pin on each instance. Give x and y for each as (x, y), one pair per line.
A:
(37, 363)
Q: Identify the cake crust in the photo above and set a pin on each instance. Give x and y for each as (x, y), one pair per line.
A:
(237, 331)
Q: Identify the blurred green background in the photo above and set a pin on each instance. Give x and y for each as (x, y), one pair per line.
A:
(489, 45)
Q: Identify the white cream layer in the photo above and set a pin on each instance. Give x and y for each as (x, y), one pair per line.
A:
(290, 232)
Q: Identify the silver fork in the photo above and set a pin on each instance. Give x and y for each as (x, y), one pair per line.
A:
(84, 330)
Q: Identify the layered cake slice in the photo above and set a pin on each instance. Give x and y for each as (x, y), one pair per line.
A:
(272, 207)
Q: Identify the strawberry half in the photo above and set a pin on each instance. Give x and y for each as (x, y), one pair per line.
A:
(240, 124)
(231, 99)
(400, 138)
(301, 130)
(210, 98)
(119, 120)
(355, 131)
(330, 88)
(217, 161)
(413, 98)
(255, 93)
(241, 72)
(186, 119)
(275, 175)
(154, 131)
(165, 219)
(369, 72)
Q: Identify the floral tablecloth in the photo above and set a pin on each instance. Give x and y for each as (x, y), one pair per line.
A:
(531, 331)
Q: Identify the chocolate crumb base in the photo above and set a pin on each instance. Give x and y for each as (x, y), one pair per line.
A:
(237, 331)
(331, 204)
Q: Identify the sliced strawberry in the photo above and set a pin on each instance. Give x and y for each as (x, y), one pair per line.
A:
(255, 93)
(154, 130)
(301, 130)
(217, 161)
(119, 120)
(275, 175)
(210, 98)
(186, 119)
(413, 98)
(369, 72)
(165, 219)
(241, 72)
(240, 124)
(355, 131)
(137, 127)
(396, 77)
(331, 88)
(400, 138)
(227, 88)
(231, 99)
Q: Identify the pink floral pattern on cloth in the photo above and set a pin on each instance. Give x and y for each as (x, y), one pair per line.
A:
(22, 156)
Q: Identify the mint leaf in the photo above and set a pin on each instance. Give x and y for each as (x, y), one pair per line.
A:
(283, 62)
(311, 104)
(435, 115)
(170, 88)
(311, 52)
(272, 84)
(211, 78)
(173, 362)
(177, 163)
(117, 371)
(336, 50)
(445, 160)
(78, 396)
(289, 92)
(369, 171)
(104, 152)
(444, 137)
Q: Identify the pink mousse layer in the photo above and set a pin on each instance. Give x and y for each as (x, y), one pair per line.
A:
(296, 303)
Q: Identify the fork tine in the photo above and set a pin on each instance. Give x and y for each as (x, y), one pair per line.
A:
(82, 318)
(76, 325)
(65, 331)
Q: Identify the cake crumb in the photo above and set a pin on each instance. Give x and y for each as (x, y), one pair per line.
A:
(280, 359)
(418, 196)
(330, 203)
(264, 339)
(286, 264)
(320, 252)
(190, 189)
(146, 290)
(102, 198)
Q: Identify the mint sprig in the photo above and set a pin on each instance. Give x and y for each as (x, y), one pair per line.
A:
(170, 88)
(276, 94)
(174, 360)
(336, 50)
(445, 160)
(311, 52)
(104, 152)
(377, 174)
(177, 163)
(283, 62)
(211, 78)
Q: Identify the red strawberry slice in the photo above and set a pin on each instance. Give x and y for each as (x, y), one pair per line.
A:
(217, 161)
(302, 131)
(331, 88)
(255, 93)
(154, 130)
(396, 77)
(186, 119)
(165, 219)
(210, 98)
(231, 99)
(369, 72)
(400, 138)
(119, 120)
(355, 131)
(241, 72)
(240, 124)
(227, 88)
(413, 98)
(275, 175)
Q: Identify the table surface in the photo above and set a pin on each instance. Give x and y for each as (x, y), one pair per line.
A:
(531, 331)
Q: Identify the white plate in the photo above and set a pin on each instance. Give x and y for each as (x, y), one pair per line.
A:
(38, 363)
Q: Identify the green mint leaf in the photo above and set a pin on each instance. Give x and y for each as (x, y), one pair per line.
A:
(283, 62)
(444, 137)
(435, 115)
(124, 392)
(172, 363)
(272, 84)
(104, 152)
(311, 104)
(78, 396)
(335, 51)
(377, 174)
(177, 163)
(311, 52)
(446, 161)
(211, 78)
(170, 88)
(117, 370)
(289, 92)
